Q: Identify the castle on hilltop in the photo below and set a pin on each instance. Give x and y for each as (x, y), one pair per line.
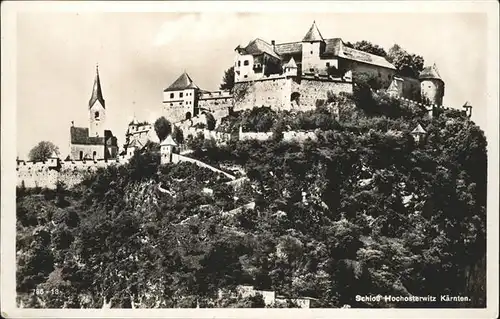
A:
(283, 76)
(296, 76)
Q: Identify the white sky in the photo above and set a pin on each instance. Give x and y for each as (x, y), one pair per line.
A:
(139, 54)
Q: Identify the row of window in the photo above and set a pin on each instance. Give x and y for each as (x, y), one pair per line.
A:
(182, 102)
(246, 62)
(181, 94)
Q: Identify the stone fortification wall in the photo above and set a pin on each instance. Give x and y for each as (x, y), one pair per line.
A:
(219, 137)
(273, 91)
(260, 136)
(218, 103)
(46, 174)
(174, 113)
(313, 91)
(280, 92)
(298, 136)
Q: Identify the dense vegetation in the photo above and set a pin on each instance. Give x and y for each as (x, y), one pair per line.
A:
(381, 215)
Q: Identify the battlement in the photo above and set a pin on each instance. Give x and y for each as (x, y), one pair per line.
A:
(224, 94)
(71, 172)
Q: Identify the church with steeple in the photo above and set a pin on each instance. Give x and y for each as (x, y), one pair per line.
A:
(93, 142)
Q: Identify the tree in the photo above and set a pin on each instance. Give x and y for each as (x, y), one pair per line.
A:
(406, 64)
(178, 135)
(162, 128)
(42, 151)
(368, 47)
(228, 79)
(210, 121)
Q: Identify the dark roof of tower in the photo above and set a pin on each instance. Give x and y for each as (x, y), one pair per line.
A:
(96, 91)
(313, 35)
(257, 47)
(430, 72)
(183, 82)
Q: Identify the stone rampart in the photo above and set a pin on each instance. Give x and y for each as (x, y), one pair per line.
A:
(46, 174)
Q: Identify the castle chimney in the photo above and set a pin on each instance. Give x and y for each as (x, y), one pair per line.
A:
(273, 43)
(72, 123)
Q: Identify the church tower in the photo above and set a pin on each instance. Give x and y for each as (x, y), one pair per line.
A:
(97, 110)
(313, 45)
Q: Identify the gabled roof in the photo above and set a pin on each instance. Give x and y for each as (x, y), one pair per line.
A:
(183, 82)
(291, 64)
(313, 35)
(335, 48)
(288, 48)
(96, 91)
(418, 130)
(168, 141)
(430, 72)
(257, 47)
(54, 155)
(360, 56)
(80, 135)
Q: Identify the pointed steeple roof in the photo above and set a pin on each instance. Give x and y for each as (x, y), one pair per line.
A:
(313, 35)
(168, 141)
(96, 91)
(430, 72)
(418, 130)
(183, 82)
(134, 121)
(291, 64)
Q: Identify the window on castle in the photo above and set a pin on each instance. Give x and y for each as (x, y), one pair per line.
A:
(81, 155)
(246, 62)
(181, 94)
(171, 104)
(311, 52)
(96, 115)
(239, 63)
(171, 95)
(327, 64)
(245, 76)
(311, 70)
(94, 154)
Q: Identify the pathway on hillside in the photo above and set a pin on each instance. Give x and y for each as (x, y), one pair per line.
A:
(181, 158)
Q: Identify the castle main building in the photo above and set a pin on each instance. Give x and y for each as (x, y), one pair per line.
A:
(295, 76)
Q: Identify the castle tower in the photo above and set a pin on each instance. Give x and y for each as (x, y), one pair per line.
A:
(313, 45)
(180, 99)
(97, 111)
(431, 86)
(167, 149)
